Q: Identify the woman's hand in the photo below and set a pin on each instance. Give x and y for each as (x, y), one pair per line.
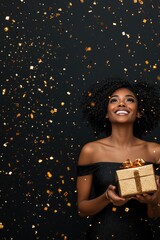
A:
(151, 199)
(112, 196)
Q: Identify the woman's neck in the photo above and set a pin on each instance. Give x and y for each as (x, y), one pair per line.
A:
(122, 136)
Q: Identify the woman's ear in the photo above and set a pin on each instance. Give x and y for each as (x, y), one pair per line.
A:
(107, 115)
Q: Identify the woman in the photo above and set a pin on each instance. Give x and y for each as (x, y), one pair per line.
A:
(124, 111)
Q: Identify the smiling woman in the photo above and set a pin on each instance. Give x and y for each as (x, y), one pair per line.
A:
(125, 112)
(122, 103)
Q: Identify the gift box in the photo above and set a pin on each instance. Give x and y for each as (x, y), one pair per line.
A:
(136, 180)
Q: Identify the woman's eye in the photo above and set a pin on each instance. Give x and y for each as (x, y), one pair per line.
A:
(113, 100)
(130, 100)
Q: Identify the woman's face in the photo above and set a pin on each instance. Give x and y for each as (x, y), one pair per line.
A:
(122, 106)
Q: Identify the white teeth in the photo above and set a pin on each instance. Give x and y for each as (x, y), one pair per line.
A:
(121, 112)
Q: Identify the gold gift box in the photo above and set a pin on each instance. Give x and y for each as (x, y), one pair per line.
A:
(136, 180)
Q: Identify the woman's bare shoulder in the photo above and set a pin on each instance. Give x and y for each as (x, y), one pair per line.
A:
(88, 152)
(153, 145)
(154, 149)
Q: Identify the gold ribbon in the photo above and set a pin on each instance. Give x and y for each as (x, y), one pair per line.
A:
(138, 181)
(139, 162)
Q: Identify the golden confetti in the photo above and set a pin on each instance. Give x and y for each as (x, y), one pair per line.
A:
(65, 194)
(45, 208)
(69, 204)
(58, 14)
(6, 29)
(31, 116)
(59, 190)
(114, 209)
(126, 209)
(88, 66)
(50, 193)
(146, 62)
(89, 94)
(92, 104)
(68, 168)
(49, 174)
(1, 225)
(155, 66)
(62, 103)
(7, 18)
(39, 60)
(18, 115)
(3, 91)
(88, 49)
(40, 160)
(54, 110)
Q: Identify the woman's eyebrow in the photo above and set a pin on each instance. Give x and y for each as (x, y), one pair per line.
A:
(128, 95)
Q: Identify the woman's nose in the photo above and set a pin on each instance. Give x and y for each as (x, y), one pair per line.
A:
(121, 104)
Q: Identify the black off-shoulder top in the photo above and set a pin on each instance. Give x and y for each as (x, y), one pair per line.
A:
(128, 222)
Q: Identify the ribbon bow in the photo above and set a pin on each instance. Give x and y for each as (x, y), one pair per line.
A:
(137, 163)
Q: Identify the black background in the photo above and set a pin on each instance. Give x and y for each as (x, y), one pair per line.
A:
(51, 51)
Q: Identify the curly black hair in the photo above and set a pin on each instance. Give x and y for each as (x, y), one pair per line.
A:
(95, 102)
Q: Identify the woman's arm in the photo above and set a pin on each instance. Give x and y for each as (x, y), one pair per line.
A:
(87, 206)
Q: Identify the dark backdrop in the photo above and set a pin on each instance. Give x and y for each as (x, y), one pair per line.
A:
(51, 51)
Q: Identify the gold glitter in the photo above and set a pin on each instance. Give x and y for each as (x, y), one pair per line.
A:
(88, 66)
(89, 94)
(69, 204)
(31, 116)
(40, 160)
(18, 115)
(50, 193)
(88, 49)
(49, 174)
(39, 60)
(54, 110)
(3, 91)
(126, 209)
(92, 104)
(62, 103)
(7, 18)
(1, 225)
(146, 62)
(58, 14)
(140, 1)
(114, 209)
(6, 29)
(155, 66)
(65, 194)
(59, 190)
